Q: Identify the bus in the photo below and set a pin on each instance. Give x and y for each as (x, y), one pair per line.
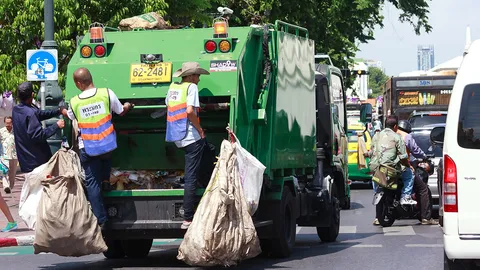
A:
(405, 95)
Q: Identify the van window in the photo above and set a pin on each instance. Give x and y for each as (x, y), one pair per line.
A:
(469, 122)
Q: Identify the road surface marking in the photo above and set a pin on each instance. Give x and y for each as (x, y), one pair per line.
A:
(355, 246)
(348, 229)
(400, 230)
(298, 229)
(424, 245)
(8, 253)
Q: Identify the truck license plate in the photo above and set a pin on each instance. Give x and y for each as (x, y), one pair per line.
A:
(151, 73)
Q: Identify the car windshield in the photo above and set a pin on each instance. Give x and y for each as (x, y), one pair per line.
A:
(423, 141)
(424, 120)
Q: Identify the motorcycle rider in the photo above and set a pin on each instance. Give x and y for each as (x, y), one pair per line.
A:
(388, 148)
(421, 189)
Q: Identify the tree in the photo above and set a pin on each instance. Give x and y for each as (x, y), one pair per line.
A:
(376, 80)
(22, 29)
(337, 26)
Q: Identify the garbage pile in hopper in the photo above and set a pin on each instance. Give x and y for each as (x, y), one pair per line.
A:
(130, 180)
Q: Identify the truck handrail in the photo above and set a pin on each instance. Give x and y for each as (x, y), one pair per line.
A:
(284, 26)
(150, 107)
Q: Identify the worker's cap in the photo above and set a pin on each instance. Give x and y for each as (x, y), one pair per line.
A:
(190, 68)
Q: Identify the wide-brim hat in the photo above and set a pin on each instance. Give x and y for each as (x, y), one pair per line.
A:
(190, 68)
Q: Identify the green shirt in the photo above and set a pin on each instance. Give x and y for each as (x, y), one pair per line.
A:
(388, 149)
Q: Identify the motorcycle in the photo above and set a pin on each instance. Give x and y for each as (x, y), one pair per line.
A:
(387, 201)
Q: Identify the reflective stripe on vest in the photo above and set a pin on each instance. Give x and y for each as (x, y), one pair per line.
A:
(95, 122)
(177, 121)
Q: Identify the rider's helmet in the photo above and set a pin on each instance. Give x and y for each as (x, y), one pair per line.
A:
(405, 126)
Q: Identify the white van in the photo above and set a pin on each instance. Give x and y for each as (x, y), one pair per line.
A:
(461, 165)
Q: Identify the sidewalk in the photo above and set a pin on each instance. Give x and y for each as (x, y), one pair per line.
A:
(12, 200)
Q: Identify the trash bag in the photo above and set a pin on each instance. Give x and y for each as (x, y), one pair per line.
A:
(251, 176)
(222, 231)
(30, 196)
(65, 224)
(148, 21)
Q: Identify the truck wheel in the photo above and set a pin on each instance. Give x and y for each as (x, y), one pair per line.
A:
(329, 234)
(137, 248)
(115, 249)
(385, 218)
(284, 227)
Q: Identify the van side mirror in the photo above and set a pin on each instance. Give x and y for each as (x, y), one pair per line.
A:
(366, 113)
(437, 135)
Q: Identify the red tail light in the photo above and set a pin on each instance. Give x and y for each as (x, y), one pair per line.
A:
(210, 46)
(99, 51)
(450, 194)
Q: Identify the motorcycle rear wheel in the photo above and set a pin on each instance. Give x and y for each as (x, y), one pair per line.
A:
(385, 218)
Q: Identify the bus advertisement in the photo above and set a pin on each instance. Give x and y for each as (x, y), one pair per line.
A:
(404, 95)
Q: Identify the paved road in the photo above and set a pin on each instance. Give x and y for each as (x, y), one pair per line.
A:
(360, 245)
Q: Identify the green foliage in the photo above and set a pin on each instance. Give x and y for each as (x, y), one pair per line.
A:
(22, 29)
(376, 80)
(337, 26)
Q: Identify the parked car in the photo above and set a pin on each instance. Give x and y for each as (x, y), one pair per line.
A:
(419, 119)
(354, 173)
(461, 179)
(422, 138)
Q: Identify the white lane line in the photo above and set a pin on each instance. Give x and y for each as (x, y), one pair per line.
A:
(348, 229)
(354, 246)
(396, 231)
(8, 253)
(298, 229)
(424, 245)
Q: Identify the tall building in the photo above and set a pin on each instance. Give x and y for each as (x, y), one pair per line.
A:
(425, 57)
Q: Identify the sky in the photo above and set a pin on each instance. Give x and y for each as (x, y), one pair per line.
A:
(395, 44)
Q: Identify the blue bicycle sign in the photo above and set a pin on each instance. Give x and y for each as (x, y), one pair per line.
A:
(42, 65)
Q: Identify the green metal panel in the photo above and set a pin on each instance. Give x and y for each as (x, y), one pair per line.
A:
(295, 118)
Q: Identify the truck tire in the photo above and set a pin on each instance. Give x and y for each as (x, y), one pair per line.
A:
(115, 249)
(137, 248)
(284, 226)
(330, 233)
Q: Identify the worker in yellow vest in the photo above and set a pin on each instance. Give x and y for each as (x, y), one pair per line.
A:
(183, 128)
(93, 110)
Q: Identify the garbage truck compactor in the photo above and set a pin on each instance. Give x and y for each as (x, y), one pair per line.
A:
(262, 85)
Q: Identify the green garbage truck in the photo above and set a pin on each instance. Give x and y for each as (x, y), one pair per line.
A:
(263, 85)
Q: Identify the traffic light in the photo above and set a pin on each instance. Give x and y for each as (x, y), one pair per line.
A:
(361, 72)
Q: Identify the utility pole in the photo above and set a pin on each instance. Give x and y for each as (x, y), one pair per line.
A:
(50, 90)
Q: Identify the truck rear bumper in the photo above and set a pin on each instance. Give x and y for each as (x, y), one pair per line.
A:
(137, 217)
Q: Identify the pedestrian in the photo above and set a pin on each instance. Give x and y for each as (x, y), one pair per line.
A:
(12, 224)
(9, 153)
(183, 128)
(30, 137)
(93, 109)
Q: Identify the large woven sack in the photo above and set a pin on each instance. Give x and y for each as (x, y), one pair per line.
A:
(147, 21)
(65, 224)
(222, 231)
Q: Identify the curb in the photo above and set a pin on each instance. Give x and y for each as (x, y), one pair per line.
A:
(26, 240)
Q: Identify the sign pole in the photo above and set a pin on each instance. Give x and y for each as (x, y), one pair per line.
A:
(42, 96)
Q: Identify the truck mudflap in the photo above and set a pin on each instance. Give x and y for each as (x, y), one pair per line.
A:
(377, 197)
